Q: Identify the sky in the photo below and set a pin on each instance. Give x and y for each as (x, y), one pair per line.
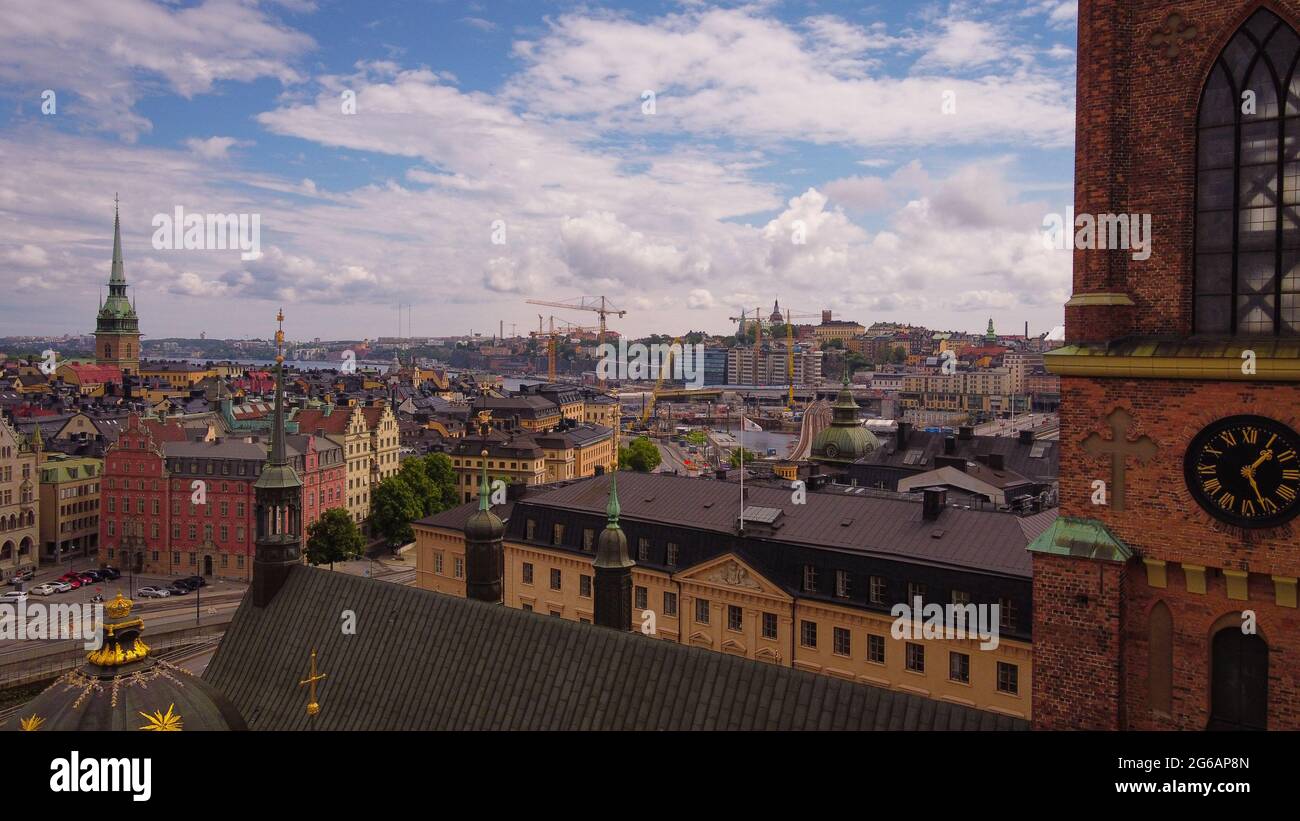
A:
(889, 161)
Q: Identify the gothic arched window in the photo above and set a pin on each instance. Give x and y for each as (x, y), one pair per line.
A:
(1247, 234)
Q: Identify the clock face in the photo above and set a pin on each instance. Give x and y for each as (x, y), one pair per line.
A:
(1245, 470)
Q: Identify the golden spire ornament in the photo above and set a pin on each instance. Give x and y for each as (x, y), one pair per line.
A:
(312, 706)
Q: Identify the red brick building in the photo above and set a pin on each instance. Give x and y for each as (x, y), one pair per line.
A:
(155, 518)
(1165, 595)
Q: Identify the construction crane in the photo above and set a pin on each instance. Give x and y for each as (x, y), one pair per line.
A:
(566, 329)
(789, 353)
(664, 371)
(598, 304)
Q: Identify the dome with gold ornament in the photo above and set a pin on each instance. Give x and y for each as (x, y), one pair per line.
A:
(123, 686)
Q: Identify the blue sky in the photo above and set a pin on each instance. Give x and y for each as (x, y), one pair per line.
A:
(797, 150)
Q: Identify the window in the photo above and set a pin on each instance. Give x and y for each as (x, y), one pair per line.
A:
(643, 550)
(176, 557)
(528, 573)
(960, 597)
(557, 581)
(875, 649)
(672, 554)
(437, 562)
(701, 611)
(915, 657)
(530, 530)
(458, 568)
(877, 589)
(528, 607)
(915, 590)
(670, 603)
(641, 597)
(842, 584)
(808, 633)
(557, 534)
(809, 579)
(588, 539)
(735, 618)
(1006, 614)
(841, 641)
(959, 668)
(1247, 265)
(584, 586)
(1008, 678)
(769, 625)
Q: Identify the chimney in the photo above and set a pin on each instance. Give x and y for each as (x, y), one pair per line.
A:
(949, 445)
(935, 500)
(904, 431)
(1026, 437)
(950, 462)
(996, 461)
(965, 433)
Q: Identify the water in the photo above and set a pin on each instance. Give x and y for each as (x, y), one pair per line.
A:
(299, 364)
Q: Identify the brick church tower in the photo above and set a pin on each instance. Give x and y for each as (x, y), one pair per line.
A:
(1165, 594)
(117, 328)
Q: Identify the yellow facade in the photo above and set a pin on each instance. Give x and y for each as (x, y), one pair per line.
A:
(726, 606)
(177, 378)
(19, 503)
(69, 510)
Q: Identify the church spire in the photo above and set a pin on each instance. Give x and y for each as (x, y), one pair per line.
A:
(278, 494)
(118, 277)
(278, 456)
(613, 583)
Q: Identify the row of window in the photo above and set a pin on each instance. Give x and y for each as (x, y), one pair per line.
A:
(877, 593)
(154, 556)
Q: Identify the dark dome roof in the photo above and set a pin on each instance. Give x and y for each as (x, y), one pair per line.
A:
(484, 526)
(120, 687)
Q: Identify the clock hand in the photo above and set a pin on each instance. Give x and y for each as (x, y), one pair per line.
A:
(1251, 476)
(1264, 456)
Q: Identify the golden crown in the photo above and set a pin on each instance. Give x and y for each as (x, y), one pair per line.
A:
(120, 607)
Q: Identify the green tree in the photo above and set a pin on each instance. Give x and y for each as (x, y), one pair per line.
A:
(334, 537)
(750, 456)
(412, 472)
(437, 466)
(641, 455)
(834, 345)
(697, 438)
(393, 506)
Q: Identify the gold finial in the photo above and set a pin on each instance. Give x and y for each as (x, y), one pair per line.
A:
(279, 337)
(312, 707)
(31, 724)
(484, 422)
(119, 607)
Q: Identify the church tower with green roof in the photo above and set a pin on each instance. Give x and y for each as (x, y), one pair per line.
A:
(117, 328)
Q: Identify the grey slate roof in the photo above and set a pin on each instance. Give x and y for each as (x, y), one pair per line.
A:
(426, 661)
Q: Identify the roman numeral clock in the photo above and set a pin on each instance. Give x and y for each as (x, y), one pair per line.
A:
(1244, 470)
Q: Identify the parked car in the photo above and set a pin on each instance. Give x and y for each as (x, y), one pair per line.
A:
(194, 581)
(60, 586)
(177, 589)
(74, 582)
(49, 588)
(92, 575)
(110, 573)
(13, 597)
(153, 592)
(22, 576)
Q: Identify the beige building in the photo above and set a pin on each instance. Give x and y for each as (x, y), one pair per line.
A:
(842, 329)
(370, 441)
(69, 515)
(19, 503)
(726, 605)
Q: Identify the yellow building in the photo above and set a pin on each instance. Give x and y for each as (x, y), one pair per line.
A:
(177, 375)
(19, 503)
(514, 459)
(690, 584)
(370, 441)
(842, 329)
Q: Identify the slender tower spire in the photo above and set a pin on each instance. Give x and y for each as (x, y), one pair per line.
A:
(279, 502)
(484, 550)
(613, 565)
(118, 275)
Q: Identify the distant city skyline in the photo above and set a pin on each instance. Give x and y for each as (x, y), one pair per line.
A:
(888, 162)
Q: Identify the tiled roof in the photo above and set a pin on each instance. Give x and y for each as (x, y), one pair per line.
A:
(427, 661)
(991, 541)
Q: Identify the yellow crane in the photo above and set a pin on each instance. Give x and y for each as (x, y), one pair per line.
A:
(659, 383)
(566, 329)
(598, 304)
(790, 316)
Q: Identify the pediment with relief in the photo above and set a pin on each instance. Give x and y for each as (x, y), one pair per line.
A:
(728, 571)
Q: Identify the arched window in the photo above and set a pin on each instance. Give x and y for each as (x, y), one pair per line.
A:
(1248, 147)
(1160, 659)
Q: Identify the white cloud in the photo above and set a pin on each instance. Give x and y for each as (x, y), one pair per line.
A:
(214, 148)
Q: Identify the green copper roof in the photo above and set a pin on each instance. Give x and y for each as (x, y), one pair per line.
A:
(1085, 538)
(612, 509)
(611, 546)
(117, 313)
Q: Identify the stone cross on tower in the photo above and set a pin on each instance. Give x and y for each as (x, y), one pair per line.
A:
(1173, 34)
(1119, 448)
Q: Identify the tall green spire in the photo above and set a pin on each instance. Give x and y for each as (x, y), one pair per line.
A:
(483, 490)
(612, 509)
(278, 473)
(118, 277)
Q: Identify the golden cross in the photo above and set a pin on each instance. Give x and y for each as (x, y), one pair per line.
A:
(312, 707)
